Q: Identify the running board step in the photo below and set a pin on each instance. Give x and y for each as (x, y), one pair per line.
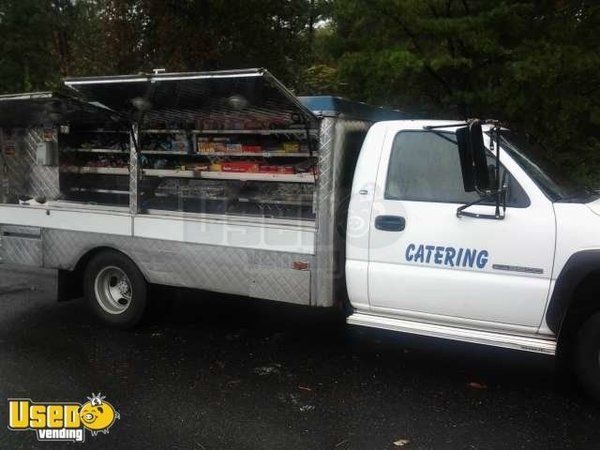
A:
(528, 344)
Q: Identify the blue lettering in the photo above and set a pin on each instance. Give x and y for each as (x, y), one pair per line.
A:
(439, 255)
(469, 258)
(429, 248)
(409, 252)
(482, 259)
(450, 252)
(459, 256)
(447, 256)
(419, 254)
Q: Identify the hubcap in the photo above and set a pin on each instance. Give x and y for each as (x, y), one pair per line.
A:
(113, 290)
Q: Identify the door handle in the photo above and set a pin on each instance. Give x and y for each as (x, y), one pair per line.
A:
(390, 223)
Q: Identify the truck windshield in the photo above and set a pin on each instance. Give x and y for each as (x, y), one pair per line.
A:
(552, 180)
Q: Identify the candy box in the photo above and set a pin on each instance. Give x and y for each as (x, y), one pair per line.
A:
(240, 166)
(205, 145)
(291, 147)
(220, 144)
(180, 143)
(234, 148)
(199, 167)
(276, 169)
(251, 148)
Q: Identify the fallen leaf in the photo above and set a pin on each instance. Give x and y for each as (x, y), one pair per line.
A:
(306, 408)
(267, 370)
(401, 442)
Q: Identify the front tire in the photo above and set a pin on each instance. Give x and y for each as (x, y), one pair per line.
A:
(587, 355)
(115, 289)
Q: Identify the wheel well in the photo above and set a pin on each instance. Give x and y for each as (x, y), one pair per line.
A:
(585, 302)
(86, 257)
(70, 282)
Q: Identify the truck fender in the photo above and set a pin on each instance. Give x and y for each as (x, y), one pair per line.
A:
(70, 281)
(575, 270)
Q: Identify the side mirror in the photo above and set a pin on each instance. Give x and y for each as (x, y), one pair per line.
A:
(473, 161)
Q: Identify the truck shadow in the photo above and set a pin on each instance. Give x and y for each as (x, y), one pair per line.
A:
(306, 339)
(310, 333)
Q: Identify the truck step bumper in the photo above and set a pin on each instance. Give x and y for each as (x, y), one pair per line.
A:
(524, 343)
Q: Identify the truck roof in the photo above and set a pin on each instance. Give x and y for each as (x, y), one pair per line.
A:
(452, 124)
(332, 106)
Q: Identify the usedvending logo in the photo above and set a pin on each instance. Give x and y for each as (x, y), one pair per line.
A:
(62, 421)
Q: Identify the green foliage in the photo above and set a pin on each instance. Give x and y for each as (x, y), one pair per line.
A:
(533, 64)
(319, 78)
(26, 60)
(43, 40)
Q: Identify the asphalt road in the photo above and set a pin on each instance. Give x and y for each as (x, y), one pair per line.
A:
(216, 372)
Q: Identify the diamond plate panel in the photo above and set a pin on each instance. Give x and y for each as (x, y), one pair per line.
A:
(134, 175)
(280, 284)
(338, 147)
(247, 272)
(24, 231)
(21, 251)
(25, 177)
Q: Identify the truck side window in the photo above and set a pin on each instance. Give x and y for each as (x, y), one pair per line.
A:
(426, 167)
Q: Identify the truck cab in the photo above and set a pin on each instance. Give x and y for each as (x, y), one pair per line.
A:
(416, 264)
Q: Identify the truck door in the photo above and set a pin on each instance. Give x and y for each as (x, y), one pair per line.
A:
(425, 262)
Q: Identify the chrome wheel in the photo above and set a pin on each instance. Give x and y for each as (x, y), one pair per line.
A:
(113, 290)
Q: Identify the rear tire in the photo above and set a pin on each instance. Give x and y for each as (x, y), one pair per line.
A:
(115, 289)
(587, 355)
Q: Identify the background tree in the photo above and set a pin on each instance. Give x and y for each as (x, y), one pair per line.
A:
(26, 60)
(533, 64)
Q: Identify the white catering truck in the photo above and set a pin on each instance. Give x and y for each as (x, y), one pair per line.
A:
(227, 182)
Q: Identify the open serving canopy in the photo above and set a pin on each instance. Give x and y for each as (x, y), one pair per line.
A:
(185, 98)
(49, 108)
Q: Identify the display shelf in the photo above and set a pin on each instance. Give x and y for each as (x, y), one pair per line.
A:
(243, 193)
(242, 176)
(163, 152)
(261, 155)
(294, 131)
(260, 200)
(253, 176)
(165, 131)
(172, 173)
(268, 201)
(95, 150)
(98, 131)
(96, 170)
(99, 191)
(192, 197)
(234, 154)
